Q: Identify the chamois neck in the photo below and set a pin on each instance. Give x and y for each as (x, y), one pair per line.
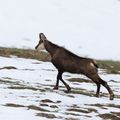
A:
(50, 47)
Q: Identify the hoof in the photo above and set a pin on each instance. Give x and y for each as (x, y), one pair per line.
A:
(55, 88)
(68, 88)
(111, 96)
(97, 95)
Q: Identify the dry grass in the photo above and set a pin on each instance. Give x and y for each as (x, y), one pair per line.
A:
(109, 65)
(24, 53)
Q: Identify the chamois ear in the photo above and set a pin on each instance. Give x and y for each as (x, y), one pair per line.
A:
(42, 36)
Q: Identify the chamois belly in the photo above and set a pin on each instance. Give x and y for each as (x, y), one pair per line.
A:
(72, 68)
(69, 66)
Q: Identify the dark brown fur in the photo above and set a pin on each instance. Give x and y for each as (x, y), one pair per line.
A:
(65, 61)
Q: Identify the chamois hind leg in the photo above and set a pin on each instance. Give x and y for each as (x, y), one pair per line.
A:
(104, 83)
(98, 90)
(98, 81)
(95, 79)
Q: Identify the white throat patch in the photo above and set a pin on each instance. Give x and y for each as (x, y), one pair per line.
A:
(41, 47)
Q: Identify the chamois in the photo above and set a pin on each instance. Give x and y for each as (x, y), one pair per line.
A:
(66, 61)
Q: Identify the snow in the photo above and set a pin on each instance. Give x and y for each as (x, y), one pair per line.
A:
(42, 77)
(86, 27)
(12, 114)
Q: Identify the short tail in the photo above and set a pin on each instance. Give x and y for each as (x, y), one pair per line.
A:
(95, 64)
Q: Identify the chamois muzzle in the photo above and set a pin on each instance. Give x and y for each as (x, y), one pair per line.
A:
(36, 47)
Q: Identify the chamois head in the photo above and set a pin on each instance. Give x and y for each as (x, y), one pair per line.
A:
(40, 45)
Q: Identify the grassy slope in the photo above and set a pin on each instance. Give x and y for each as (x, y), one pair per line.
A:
(24, 53)
(109, 65)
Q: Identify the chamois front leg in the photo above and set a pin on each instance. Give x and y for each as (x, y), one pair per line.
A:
(59, 77)
(57, 82)
(66, 85)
